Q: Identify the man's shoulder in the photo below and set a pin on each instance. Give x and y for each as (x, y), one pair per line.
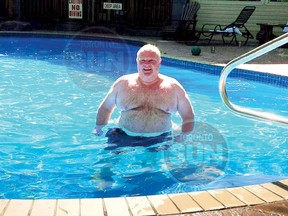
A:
(125, 78)
(172, 82)
(169, 79)
(129, 76)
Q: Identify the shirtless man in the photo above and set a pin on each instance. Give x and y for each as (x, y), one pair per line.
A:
(146, 99)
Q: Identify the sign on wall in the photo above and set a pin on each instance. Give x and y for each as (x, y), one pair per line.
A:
(75, 9)
(112, 6)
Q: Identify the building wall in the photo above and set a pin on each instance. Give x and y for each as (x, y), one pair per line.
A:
(224, 12)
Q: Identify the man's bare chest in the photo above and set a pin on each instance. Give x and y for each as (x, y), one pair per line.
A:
(134, 97)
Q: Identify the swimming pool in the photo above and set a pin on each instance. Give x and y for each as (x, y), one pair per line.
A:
(50, 89)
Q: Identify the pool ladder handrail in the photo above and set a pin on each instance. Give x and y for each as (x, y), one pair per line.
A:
(259, 51)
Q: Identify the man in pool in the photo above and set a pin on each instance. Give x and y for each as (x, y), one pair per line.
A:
(146, 100)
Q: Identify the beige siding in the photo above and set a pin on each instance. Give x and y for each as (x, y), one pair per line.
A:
(224, 12)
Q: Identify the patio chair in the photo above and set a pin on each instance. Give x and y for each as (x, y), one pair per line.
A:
(232, 30)
(185, 27)
(285, 28)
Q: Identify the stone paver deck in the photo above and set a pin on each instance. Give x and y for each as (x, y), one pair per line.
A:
(265, 199)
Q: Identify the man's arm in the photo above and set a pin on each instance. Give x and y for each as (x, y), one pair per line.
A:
(185, 110)
(105, 110)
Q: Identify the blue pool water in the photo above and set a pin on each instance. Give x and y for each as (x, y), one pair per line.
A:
(50, 90)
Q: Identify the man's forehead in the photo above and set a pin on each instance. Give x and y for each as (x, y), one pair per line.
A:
(148, 54)
(148, 51)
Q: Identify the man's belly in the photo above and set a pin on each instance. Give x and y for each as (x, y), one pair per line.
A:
(145, 121)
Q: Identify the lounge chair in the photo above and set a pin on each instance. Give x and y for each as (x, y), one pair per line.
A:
(185, 27)
(232, 30)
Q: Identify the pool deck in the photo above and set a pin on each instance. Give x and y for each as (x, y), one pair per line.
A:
(275, 62)
(264, 199)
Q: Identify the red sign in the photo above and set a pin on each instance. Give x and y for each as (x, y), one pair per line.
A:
(75, 9)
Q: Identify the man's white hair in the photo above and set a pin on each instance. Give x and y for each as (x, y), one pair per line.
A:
(149, 47)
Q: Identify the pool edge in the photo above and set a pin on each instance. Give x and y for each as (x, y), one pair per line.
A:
(272, 197)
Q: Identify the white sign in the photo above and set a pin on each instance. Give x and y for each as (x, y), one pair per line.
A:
(75, 9)
(112, 6)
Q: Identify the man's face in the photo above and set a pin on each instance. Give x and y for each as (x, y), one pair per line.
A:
(148, 66)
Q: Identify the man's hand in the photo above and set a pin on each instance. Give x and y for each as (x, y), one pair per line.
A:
(98, 130)
(180, 138)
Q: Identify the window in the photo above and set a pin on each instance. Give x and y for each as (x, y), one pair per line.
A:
(241, 0)
(278, 0)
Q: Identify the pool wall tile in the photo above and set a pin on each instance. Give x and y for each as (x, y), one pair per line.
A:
(267, 78)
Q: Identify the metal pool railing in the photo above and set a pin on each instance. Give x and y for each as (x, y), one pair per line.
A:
(259, 51)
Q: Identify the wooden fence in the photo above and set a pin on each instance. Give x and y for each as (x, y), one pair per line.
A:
(145, 13)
